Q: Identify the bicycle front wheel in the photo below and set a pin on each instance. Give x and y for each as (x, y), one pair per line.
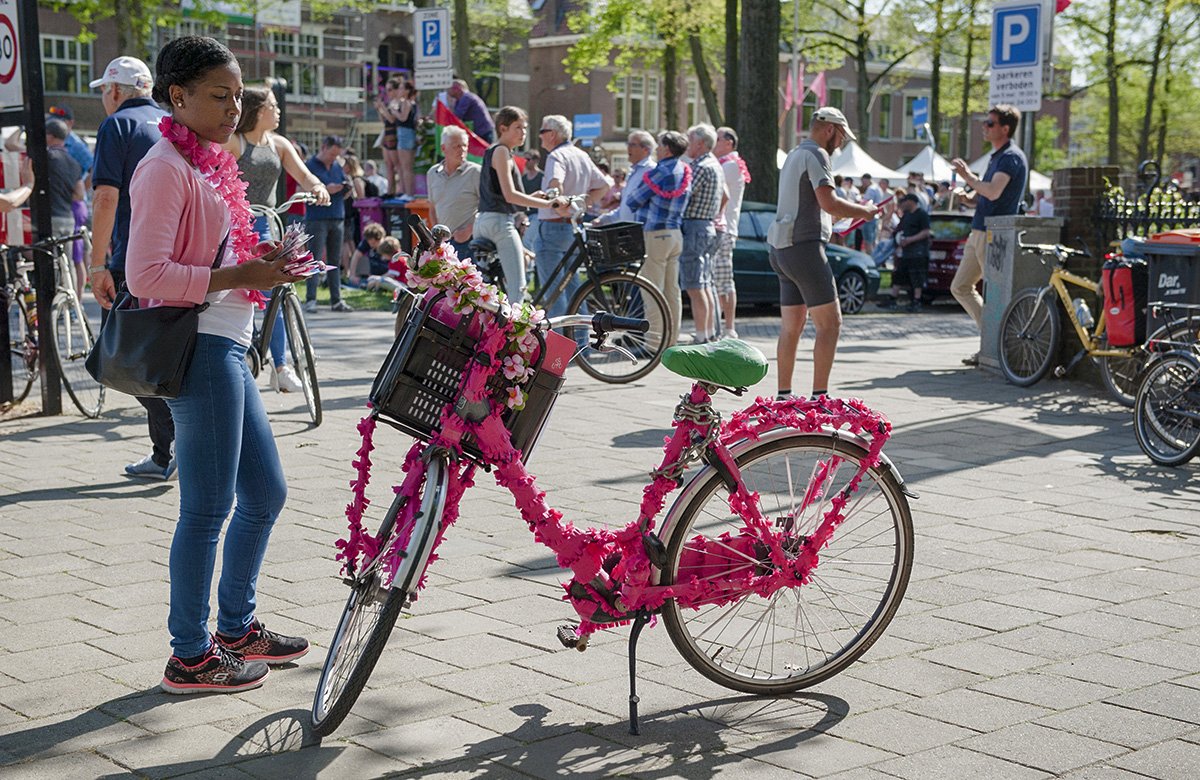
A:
(22, 350)
(1029, 335)
(795, 637)
(300, 355)
(624, 295)
(375, 603)
(72, 343)
(1166, 417)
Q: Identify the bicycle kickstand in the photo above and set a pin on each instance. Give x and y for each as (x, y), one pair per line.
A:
(640, 619)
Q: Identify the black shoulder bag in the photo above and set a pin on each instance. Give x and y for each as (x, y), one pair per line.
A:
(146, 352)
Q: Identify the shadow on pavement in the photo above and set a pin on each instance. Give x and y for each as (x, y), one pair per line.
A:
(141, 489)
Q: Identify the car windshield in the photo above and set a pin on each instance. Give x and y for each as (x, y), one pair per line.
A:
(949, 228)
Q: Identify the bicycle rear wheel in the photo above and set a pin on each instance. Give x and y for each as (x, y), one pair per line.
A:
(22, 350)
(1120, 374)
(374, 603)
(1166, 417)
(300, 355)
(1029, 335)
(625, 295)
(796, 637)
(72, 343)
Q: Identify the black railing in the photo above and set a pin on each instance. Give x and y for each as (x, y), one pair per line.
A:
(1156, 206)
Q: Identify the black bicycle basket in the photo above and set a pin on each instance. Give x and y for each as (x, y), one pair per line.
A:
(620, 246)
(424, 372)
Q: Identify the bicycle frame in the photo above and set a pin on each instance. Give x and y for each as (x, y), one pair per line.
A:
(573, 259)
(1059, 279)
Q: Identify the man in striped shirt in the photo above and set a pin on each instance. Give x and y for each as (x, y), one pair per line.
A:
(699, 230)
(658, 198)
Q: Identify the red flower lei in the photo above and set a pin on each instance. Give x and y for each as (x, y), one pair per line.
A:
(219, 168)
(669, 194)
(737, 158)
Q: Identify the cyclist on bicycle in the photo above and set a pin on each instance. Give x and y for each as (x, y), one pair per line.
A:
(572, 172)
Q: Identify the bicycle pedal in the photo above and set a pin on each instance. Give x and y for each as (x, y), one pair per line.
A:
(571, 639)
(1060, 371)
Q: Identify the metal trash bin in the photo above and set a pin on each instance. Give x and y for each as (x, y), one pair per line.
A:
(1174, 260)
(1007, 270)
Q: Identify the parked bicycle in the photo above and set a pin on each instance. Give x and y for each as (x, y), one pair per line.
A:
(610, 257)
(780, 563)
(1166, 417)
(72, 331)
(301, 355)
(1031, 326)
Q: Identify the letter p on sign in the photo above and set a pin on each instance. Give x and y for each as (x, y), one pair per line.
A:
(1016, 41)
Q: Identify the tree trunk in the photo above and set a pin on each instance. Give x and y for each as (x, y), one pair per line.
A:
(964, 128)
(671, 85)
(1164, 107)
(935, 72)
(1155, 61)
(705, 79)
(758, 96)
(731, 62)
(1110, 71)
(462, 43)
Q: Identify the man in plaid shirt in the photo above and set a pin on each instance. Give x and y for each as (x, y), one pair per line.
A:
(658, 199)
(699, 231)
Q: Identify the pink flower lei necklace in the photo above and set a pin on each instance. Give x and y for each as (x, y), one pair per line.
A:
(219, 168)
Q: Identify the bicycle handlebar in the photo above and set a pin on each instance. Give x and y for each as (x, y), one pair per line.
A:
(1047, 249)
(604, 322)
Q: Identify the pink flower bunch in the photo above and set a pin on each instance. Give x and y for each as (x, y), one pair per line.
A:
(219, 168)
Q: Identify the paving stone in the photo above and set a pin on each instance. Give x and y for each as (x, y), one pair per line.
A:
(991, 616)
(955, 763)
(980, 658)
(70, 765)
(1167, 760)
(176, 752)
(914, 676)
(898, 732)
(1045, 690)
(975, 710)
(1042, 748)
(1112, 670)
(1166, 699)
(1119, 725)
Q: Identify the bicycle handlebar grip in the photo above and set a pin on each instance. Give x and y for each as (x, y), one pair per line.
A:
(424, 237)
(605, 322)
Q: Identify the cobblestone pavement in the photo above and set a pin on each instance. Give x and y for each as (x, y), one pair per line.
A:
(1051, 627)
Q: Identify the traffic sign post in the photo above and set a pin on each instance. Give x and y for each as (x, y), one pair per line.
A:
(1021, 31)
(11, 90)
(920, 114)
(432, 68)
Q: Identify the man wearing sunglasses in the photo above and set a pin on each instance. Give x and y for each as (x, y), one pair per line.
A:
(998, 193)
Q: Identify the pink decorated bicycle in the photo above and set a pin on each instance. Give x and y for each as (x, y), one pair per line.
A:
(779, 563)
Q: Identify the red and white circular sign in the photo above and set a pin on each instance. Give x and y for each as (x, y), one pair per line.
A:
(8, 48)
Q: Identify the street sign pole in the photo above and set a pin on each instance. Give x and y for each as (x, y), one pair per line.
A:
(432, 63)
(35, 145)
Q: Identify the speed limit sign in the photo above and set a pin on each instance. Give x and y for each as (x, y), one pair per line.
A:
(11, 93)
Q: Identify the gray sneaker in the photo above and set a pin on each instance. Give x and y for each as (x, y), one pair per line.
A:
(146, 468)
(310, 306)
(341, 306)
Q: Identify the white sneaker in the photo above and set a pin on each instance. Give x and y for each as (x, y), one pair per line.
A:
(285, 380)
(310, 306)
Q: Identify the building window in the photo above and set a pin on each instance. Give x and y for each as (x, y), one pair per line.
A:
(884, 117)
(196, 27)
(66, 64)
(809, 107)
(294, 54)
(696, 112)
(910, 132)
(637, 103)
(836, 98)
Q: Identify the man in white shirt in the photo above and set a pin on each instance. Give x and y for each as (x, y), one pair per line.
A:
(454, 190)
(737, 176)
(571, 171)
(640, 147)
(873, 194)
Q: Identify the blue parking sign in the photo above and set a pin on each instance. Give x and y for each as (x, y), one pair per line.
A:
(431, 37)
(1016, 36)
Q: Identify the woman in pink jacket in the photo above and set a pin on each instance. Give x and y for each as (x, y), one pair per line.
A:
(191, 241)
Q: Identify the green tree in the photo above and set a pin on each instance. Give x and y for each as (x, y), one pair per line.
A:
(758, 97)
(483, 31)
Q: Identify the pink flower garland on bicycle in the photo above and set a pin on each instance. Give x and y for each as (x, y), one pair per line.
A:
(219, 168)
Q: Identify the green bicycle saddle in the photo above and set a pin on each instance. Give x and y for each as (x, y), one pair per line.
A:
(728, 362)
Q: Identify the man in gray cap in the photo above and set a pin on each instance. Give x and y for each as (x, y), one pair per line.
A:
(122, 141)
(803, 226)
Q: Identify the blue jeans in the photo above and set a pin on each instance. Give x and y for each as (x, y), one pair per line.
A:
(225, 450)
(695, 262)
(326, 245)
(278, 346)
(550, 242)
(498, 228)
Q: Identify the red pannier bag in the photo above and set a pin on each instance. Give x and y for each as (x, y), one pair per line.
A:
(1124, 283)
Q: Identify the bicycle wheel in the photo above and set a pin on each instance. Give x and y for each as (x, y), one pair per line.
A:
(300, 355)
(1166, 417)
(1120, 374)
(1029, 335)
(795, 637)
(22, 350)
(374, 604)
(624, 295)
(72, 343)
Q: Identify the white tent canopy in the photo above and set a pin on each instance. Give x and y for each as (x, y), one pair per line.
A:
(1037, 181)
(929, 163)
(851, 160)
